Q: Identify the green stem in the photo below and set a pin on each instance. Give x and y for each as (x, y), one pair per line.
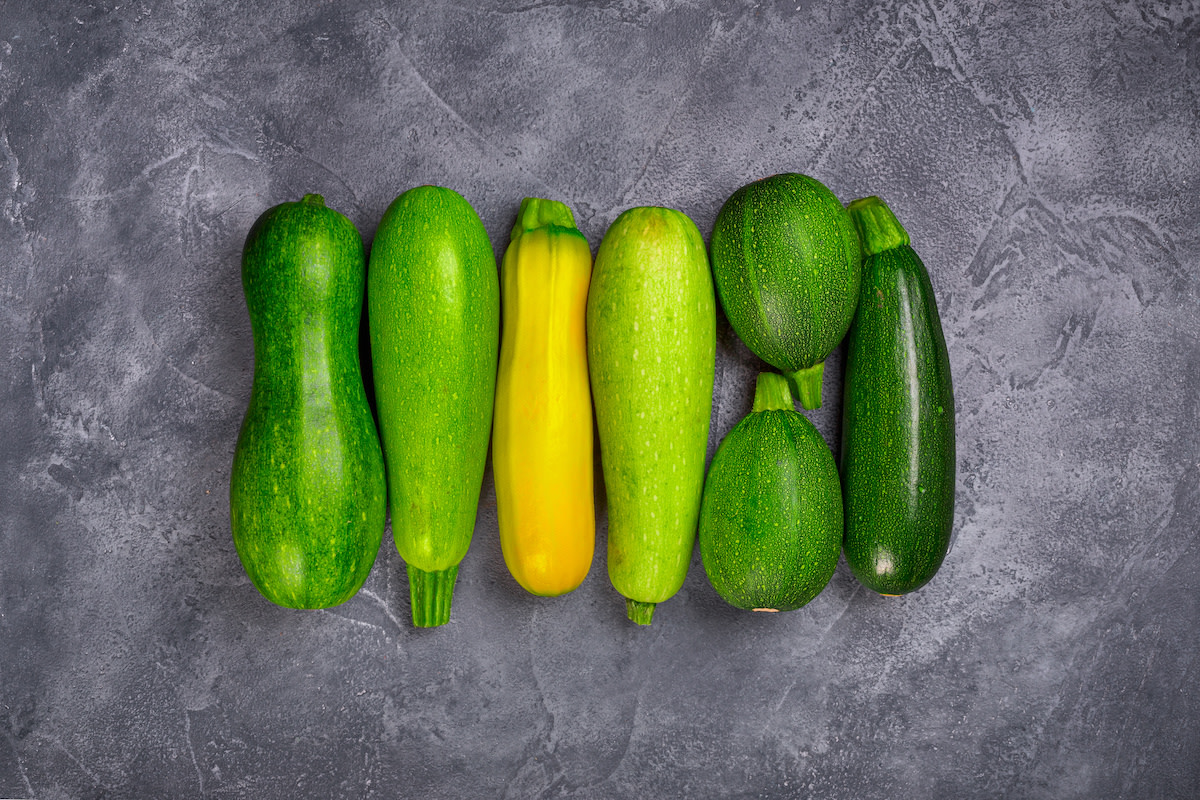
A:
(639, 612)
(772, 393)
(537, 212)
(313, 200)
(430, 593)
(807, 384)
(877, 226)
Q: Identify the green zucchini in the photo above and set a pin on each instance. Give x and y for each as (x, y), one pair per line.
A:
(307, 491)
(786, 260)
(898, 460)
(433, 299)
(651, 336)
(771, 520)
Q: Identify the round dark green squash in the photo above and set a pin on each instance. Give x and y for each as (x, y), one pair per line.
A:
(307, 496)
(771, 515)
(898, 448)
(786, 261)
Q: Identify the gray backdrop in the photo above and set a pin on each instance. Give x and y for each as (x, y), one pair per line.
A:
(1043, 156)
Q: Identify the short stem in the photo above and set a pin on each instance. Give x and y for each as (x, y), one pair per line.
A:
(430, 593)
(808, 385)
(313, 200)
(639, 612)
(877, 226)
(537, 212)
(772, 393)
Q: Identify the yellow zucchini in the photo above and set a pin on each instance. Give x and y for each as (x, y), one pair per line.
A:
(542, 437)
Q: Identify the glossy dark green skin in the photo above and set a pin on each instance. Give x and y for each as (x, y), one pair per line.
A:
(434, 307)
(307, 494)
(771, 517)
(898, 460)
(786, 262)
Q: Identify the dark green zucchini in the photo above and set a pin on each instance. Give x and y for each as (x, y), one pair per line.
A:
(898, 461)
(307, 494)
(771, 517)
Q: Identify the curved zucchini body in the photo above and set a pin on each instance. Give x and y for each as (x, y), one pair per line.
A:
(898, 459)
(307, 496)
(434, 308)
(651, 335)
(786, 260)
(542, 435)
(771, 520)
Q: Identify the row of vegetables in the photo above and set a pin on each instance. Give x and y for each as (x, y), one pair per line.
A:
(462, 353)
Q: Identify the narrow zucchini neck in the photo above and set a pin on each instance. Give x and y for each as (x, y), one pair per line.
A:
(772, 393)
(806, 385)
(537, 212)
(877, 226)
(430, 594)
(638, 611)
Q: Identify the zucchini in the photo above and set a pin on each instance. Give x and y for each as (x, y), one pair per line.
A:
(771, 519)
(898, 459)
(307, 497)
(786, 260)
(542, 434)
(433, 300)
(651, 336)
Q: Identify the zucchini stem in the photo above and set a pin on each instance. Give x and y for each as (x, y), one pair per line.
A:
(807, 385)
(430, 594)
(537, 212)
(772, 393)
(877, 226)
(638, 611)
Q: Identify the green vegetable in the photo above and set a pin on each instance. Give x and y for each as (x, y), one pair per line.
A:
(786, 260)
(898, 416)
(434, 307)
(771, 521)
(307, 492)
(651, 328)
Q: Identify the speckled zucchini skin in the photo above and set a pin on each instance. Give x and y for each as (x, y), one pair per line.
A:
(651, 328)
(434, 307)
(786, 261)
(307, 493)
(898, 450)
(771, 520)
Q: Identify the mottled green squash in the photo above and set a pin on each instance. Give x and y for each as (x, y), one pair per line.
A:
(307, 492)
(771, 521)
(786, 262)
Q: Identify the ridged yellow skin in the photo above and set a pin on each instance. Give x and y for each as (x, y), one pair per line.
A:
(542, 435)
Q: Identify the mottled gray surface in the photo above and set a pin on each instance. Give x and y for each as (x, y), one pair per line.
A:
(1045, 159)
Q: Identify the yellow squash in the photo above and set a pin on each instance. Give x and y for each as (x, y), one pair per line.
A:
(542, 439)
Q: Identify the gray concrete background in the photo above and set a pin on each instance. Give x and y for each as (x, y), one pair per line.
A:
(1045, 158)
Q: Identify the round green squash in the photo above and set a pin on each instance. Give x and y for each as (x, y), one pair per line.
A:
(307, 496)
(771, 517)
(786, 261)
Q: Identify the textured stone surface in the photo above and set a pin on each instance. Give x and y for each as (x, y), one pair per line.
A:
(1045, 158)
